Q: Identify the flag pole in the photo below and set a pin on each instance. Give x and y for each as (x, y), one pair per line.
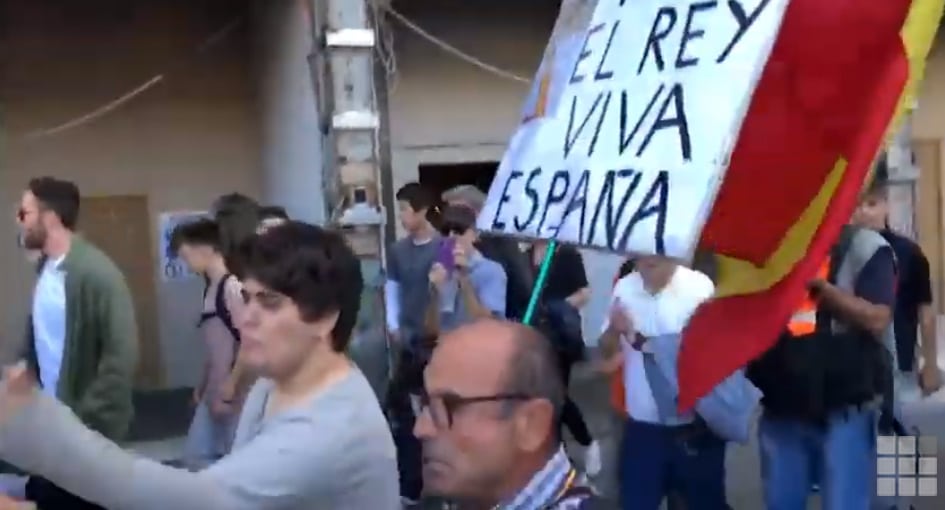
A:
(539, 282)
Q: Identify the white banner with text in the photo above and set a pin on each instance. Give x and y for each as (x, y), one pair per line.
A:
(630, 123)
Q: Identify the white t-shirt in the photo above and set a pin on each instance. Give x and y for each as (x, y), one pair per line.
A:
(664, 313)
(49, 323)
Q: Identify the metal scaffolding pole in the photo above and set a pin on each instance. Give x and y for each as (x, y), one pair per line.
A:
(343, 67)
(347, 97)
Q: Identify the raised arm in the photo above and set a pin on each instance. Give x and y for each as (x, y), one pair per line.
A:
(43, 437)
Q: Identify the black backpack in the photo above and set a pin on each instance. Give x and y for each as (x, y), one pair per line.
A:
(845, 381)
(811, 376)
(219, 307)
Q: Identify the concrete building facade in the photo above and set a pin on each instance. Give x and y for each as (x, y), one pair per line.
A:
(238, 113)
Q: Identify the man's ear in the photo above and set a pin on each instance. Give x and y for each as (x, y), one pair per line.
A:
(534, 422)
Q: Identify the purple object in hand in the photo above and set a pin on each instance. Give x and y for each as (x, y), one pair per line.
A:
(445, 254)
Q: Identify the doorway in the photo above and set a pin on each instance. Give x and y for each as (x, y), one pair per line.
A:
(441, 177)
(120, 227)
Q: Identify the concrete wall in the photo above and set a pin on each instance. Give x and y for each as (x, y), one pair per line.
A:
(181, 144)
(289, 125)
(929, 119)
(444, 110)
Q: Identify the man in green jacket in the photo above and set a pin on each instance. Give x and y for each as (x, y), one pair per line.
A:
(81, 338)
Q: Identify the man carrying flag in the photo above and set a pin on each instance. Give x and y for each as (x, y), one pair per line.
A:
(831, 110)
(825, 389)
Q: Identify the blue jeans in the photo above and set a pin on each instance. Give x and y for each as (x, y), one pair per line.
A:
(840, 456)
(209, 437)
(657, 460)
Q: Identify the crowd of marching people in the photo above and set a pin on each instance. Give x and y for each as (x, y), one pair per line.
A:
(477, 406)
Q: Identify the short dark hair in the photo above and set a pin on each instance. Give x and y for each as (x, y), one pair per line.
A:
(533, 369)
(58, 196)
(879, 180)
(313, 267)
(273, 212)
(232, 201)
(876, 189)
(237, 216)
(416, 195)
(202, 232)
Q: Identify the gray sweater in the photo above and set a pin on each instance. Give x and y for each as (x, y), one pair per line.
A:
(335, 452)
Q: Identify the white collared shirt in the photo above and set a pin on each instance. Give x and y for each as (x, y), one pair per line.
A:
(664, 313)
(49, 323)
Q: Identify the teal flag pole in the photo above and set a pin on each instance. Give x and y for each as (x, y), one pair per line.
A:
(539, 282)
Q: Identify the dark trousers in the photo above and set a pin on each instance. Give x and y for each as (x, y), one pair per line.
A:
(571, 416)
(50, 497)
(657, 460)
(408, 379)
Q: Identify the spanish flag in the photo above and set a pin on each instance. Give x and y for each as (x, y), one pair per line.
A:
(839, 75)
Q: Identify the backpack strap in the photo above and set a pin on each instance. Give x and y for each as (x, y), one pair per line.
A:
(837, 255)
(222, 311)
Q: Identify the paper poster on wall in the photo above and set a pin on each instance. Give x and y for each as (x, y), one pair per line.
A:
(631, 121)
(172, 267)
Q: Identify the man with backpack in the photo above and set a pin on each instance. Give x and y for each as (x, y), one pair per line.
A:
(215, 416)
(828, 384)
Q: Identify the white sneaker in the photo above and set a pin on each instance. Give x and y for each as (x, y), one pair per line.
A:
(592, 459)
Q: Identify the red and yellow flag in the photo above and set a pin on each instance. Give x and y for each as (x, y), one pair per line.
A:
(831, 88)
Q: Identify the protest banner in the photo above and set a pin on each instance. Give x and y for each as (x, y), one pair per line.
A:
(745, 128)
(630, 123)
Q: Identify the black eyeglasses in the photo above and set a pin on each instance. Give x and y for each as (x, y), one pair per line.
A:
(444, 406)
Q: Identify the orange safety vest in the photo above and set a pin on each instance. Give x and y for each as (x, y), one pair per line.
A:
(618, 394)
(804, 320)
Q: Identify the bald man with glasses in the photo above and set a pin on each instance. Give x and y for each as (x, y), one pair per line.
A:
(488, 421)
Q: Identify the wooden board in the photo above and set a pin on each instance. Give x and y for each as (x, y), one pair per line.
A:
(120, 226)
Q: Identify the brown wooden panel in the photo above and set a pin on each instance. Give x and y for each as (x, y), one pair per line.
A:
(930, 212)
(120, 226)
